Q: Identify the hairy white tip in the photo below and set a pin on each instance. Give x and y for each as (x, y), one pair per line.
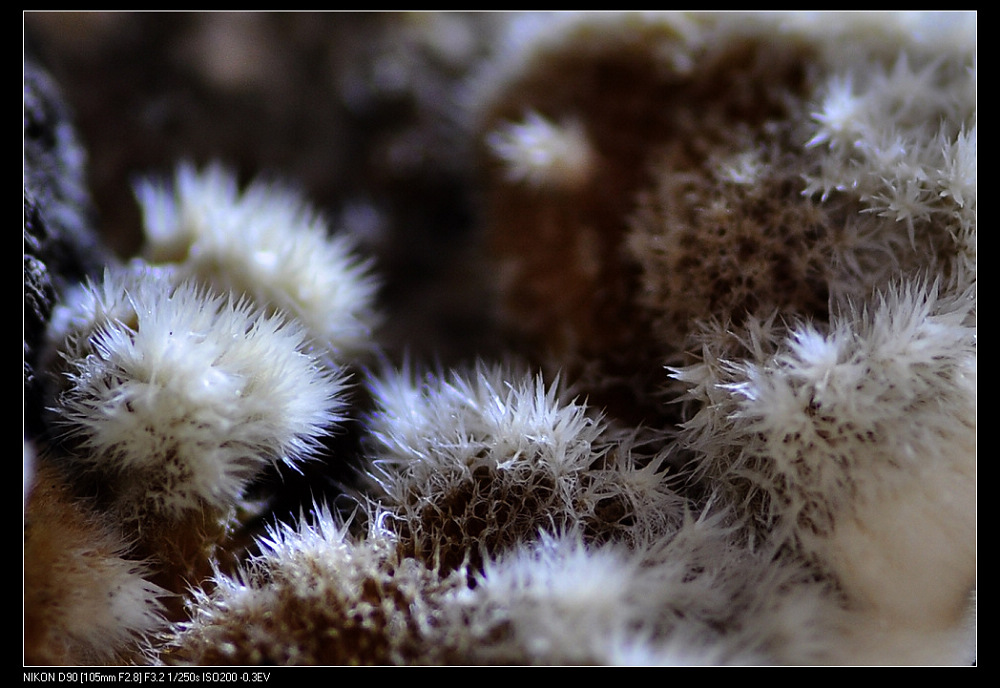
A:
(185, 395)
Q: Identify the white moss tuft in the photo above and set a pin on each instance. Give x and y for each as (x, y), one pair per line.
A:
(266, 244)
(471, 465)
(183, 396)
(315, 595)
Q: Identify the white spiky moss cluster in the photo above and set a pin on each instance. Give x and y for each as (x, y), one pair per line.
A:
(179, 396)
(837, 436)
(316, 596)
(856, 446)
(804, 177)
(870, 171)
(785, 159)
(660, 99)
(470, 465)
(901, 140)
(267, 244)
(172, 388)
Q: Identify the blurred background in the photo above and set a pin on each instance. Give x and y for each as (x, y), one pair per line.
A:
(364, 112)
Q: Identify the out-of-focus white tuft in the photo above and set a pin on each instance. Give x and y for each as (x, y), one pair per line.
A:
(695, 597)
(266, 244)
(85, 601)
(543, 154)
(557, 602)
